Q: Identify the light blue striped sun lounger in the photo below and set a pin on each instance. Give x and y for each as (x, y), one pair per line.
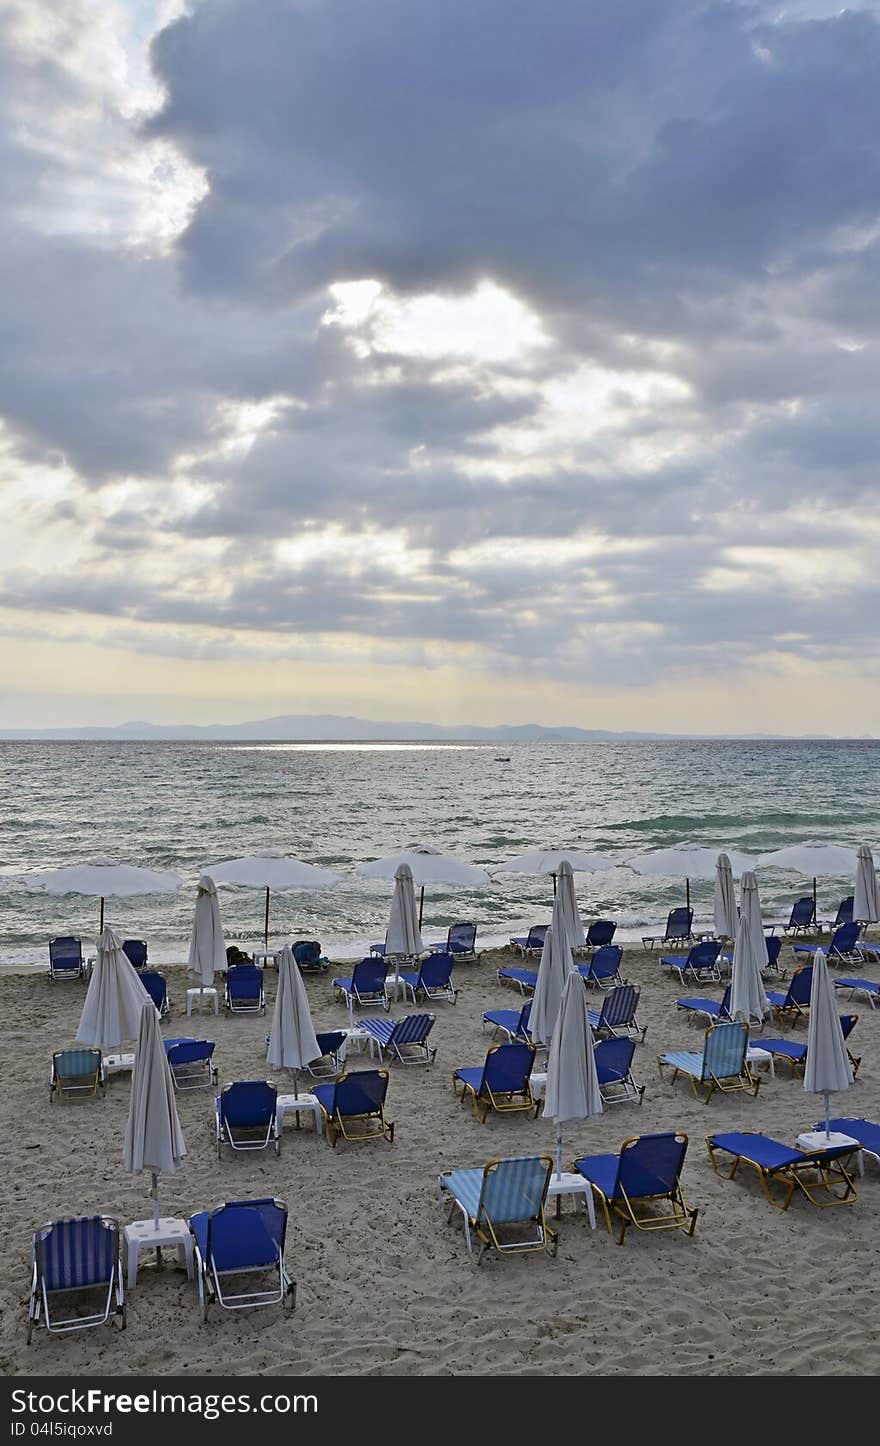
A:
(502, 1195)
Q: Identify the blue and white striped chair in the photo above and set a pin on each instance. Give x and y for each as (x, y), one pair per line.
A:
(618, 1013)
(504, 1193)
(722, 1065)
(76, 1255)
(405, 1040)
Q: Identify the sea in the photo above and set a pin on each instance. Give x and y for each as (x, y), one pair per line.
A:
(181, 806)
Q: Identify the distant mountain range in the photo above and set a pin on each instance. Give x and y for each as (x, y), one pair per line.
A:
(329, 727)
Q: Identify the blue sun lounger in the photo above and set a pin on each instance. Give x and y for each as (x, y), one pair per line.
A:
(603, 969)
(796, 1053)
(75, 1255)
(512, 1022)
(867, 1132)
(354, 1106)
(433, 980)
(679, 929)
(643, 1176)
(156, 986)
(815, 1172)
(711, 1009)
(501, 1083)
(135, 950)
(244, 989)
(366, 985)
(235, 1243)
(600, 933)
(844, 945)
(614, 1058)
(844, 915)
(460, 942)
(802, 918)
(502, 1195)
(191, 1062)
(701, 962)
(533, 942)
(524, 979)
(794, 1004)
(66, 958)
(76, 1072)
(245, 1116)
(405, 1039)
(866, 987)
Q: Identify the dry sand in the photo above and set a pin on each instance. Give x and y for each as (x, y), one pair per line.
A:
(384, 1284)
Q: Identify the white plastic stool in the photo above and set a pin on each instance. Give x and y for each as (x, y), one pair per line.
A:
(143, 1235)
(198, 994)
(307, 1103)
(568, 1184)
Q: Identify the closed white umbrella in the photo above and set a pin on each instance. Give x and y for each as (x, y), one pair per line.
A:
(292, 1041)
(553, 971)
(866, 899)
(115, 999)
(570, 914)
(572, 1091)
(828, 1070)
(207, 948)
(747, 998)
(726, 919)
(271, 870)
(404, 936)
(153, 1137)
(103, 879)
(427, 866)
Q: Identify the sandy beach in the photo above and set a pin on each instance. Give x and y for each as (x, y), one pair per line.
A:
(384, 1285)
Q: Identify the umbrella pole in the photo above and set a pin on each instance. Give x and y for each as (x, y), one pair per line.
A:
(559, 1152)
(154, 1194)
(553, 877)
(101, 925)
(266, 922)
(687, 892)
(814, 901)
(827, 1115)
(421, 903)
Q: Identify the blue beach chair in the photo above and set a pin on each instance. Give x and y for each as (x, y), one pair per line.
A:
(794, 1004)
(533, 942)
(366, 985)
(354, 1107)
(701, 962)
(433, 980)
(75, 1256)
(600, 933)
(867, 988)
(66, 958)
(461, 942)
(679, 929)
(405, 1039)
(817, 1173)
(241, 1241)
(802, 919)
(244, 989)
(618, 1013)
(135, 951)
(844, 915)
(774, 947)
(603, 970)
(191, 1062)
(633, 1184)
(844, 945)
(867, 1132)
(711, 1009)
(245, 1116)
(76, 1072)
(156, 986)
(501, 1083)
(614, 1058)
(498, 1202)
(524, 979)
(721, 1066)
(796, 1053)
(514, 1023)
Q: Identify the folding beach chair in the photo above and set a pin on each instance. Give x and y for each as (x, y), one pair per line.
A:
(524, 979)
(433, 980)
(354, 1106)
(634, 1183)
(501, 1083)
(796, 1053)
(191, 1062)
(822, 1175)
(679, 929)
(135, 951)
(701, 962)
(614, 1058)
(330, 1061)
(366, 985)
(844, 945)
(844, 915)
(794, 1004)
(603, 969)
(461, 942)
(514, 1023)
(533, 942)
(618, 1013)
(500, 1202)
(722, 1065)
(76, 1257)
(867, 1132)
(156, 986)
(600, 933)
(803, 916)
(238, 1242)
(711, 1009)
(405, 1040)
(244, 989)
(66, 958)
(867, 988)
(774, 948)
(245, 1116)
(76, 1072)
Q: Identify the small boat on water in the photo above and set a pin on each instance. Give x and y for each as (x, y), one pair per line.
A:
(499, 758)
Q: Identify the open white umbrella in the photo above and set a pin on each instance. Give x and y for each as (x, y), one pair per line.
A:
(292, 1041)
(813, 860)
(828, 1069)
(553, 971)
(153, 1137)
(569, 913)
(572, 1090)
(747, 998)
(866, 899)
(687, 863)
(427, 866)
(726, 918)
(207, 948)
(103, 879)
(548, 860)
(115, 999)
(271, 870)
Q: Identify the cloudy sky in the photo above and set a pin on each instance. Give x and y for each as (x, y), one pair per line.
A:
(478, 361)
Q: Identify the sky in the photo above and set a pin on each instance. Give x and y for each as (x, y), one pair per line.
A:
(478, 362)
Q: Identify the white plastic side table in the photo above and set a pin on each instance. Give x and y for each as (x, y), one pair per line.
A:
(812, 1140)
(309, 1104)
(143, 1235)
(569, 1184)
(197, 995)
(118, 1063)
(757, 1056)
(267, 957)
(538, 1083)
(360, 1039)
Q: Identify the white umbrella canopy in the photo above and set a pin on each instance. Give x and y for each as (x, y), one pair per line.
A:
(569, 915)
(726, 918)
(553, 971)
(153, 1137)
(548, 860)
(292, 1041)
(427, 866)
(404, 936)
(572, 1091)
(687, 864)
(271, 870)
(866, 898)
(813, 860)
(828, 1069)
(747, 998)
(115, 999)
(207, 947)
(103, 879)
